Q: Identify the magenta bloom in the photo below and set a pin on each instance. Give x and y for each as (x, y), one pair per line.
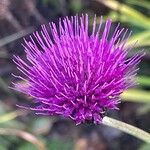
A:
(75, 74)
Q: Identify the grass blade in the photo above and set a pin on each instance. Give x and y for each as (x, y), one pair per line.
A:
(136, 95)
(128, 11)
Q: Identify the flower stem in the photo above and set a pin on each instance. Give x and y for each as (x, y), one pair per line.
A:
(126, 128)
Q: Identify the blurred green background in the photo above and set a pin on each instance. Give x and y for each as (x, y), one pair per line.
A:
(22, 130)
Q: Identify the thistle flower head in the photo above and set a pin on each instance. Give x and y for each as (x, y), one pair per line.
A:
(76, 73)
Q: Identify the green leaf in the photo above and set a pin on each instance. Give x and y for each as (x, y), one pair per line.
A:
(27, 146)
(56, 144)
(76, 5)
(143, 80)
(132, 14)
(2, 147)
(13, 124)
(145, 147)
(4, 143)
(140, 37)
(125, 19)
(142, 3)
(10, 116)
(136, 95)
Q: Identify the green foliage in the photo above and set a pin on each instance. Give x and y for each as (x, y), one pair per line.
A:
(136, 95)
(13, 124)
(27, 146)
(2, 147)
(76, 5)
(143, 3)
(127, 14)
(143, 80)
(60, 145)
(142, 37)
(41, 125)
(4, 143)
(139, 23)
(133, 18)
(145, 147)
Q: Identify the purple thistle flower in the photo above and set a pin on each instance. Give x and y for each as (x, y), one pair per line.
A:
(76, 74)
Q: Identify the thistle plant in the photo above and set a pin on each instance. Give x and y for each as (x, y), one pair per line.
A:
(77, 74)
